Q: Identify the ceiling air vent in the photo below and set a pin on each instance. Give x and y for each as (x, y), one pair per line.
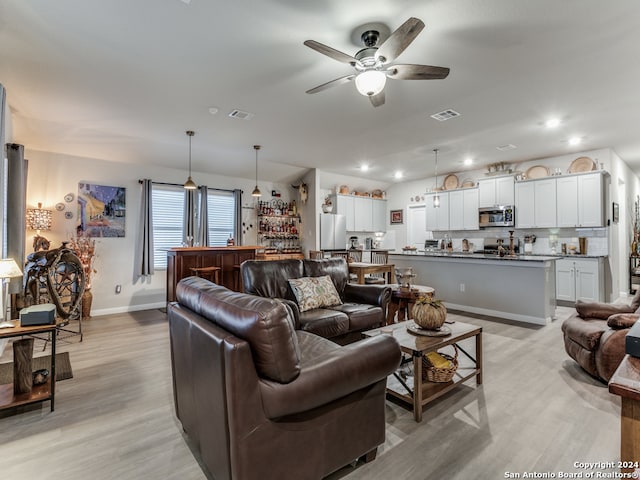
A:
(445, 115)
(508, 146)
(240, 114)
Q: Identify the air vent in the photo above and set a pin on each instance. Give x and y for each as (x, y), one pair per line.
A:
(445, 115)
(508, 146)
(240, 114)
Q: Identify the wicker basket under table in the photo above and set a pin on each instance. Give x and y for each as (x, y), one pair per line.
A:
(440, 375)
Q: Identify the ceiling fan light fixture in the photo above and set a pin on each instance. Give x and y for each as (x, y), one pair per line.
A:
(370, 82)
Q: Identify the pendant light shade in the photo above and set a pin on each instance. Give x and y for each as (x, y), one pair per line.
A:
(190, 184)
(436, 197)
(256, 191)
(370, 82)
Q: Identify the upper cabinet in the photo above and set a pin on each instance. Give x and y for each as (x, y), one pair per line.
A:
(496, 191)
(564, 201)
(363, 214)
(463, 209)
(437, 218)
(535, 203)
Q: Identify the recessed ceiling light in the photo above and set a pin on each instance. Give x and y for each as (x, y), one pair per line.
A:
(552, 123)
(213, 110)
(398, 175)
(508, 146)
(575, 141)
(468, 161)
(364, 167)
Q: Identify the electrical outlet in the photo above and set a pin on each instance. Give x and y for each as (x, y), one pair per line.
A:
(118, 289)
(462, 287)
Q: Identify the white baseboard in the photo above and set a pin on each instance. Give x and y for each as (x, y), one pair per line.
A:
(495, 313)
(128, 308)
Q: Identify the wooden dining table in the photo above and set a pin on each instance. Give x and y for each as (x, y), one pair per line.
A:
(360, 269)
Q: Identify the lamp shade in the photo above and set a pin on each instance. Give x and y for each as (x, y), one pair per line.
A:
(9, 268)
(370, 82)
(39, 218)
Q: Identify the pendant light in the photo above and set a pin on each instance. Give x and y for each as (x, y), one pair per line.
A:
(256, 191)
(190, 184)
(436, 197)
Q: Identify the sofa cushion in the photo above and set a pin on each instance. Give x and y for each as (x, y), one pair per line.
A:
(361, 316)
(269, 279)
(314, 292)
(324, 322)
(585, 333)
(263, 322)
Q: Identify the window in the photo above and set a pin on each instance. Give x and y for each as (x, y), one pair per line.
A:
(168, 208)
(221, 206)
(168, 213)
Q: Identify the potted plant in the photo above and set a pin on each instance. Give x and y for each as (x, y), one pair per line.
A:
(429, 313)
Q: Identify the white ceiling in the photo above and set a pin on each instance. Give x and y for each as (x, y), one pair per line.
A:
(122, 80)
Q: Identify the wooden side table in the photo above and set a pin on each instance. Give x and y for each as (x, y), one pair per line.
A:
(626, 383)
(402, 301)
(39, 393)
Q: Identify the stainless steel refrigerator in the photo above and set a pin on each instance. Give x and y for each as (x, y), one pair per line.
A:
(333, 232)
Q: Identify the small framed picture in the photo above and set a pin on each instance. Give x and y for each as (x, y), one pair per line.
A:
(396, 217)
(616, 212)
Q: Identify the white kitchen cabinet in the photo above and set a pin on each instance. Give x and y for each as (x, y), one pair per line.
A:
(545, 203)
(463, 209)
(535, 203)
(363, 214)
(591, 212)
(379, 215)
(525, 205)
(579, 279)
(580, 201)
(567, 201)
(496, 191)
(437, 219)
(344, 206)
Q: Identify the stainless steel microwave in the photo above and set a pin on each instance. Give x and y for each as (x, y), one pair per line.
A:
(497, 216)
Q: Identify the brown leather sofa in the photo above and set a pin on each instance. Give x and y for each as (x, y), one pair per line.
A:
(259, 399)
(364, 306)
(595, 335)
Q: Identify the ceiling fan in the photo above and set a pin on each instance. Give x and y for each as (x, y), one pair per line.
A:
(372, 63)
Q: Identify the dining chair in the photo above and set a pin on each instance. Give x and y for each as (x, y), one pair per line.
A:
(355, 255)
(377, 258)
(316, 254)
(341, 253)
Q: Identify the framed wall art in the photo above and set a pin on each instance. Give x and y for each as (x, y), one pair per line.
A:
(396, 217)
(101, 210)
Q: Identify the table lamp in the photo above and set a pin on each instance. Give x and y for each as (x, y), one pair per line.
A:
(8, 269)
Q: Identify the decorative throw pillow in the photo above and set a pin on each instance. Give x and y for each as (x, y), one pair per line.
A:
(314, 292)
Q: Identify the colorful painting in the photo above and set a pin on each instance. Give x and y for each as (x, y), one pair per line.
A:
(395, 217)
(101, 210)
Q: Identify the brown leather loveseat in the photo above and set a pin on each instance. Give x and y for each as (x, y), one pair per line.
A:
(261, 400)
(363, 307)
(595, 335)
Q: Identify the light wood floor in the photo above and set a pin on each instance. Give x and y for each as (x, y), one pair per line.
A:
(536, 412)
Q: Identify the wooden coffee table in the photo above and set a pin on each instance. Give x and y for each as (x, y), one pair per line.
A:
(416, 346)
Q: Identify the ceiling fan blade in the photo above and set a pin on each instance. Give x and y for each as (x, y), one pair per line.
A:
(332, 52)
(417, 72)
(399, 40)
(332, 83)
(377, 100)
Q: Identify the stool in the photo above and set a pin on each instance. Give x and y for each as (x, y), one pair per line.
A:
(210, 273)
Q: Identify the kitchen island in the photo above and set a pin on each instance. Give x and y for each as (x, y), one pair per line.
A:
(520, 287)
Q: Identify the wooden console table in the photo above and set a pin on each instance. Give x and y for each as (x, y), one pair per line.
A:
(180, 261)
(626, 383)
(39, 393)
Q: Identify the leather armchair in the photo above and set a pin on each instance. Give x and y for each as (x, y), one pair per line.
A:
(262, 400)
(595, 335)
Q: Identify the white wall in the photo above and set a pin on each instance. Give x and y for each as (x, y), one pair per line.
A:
(51, 176)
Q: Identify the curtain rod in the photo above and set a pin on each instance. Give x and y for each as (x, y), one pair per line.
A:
(182, 186)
